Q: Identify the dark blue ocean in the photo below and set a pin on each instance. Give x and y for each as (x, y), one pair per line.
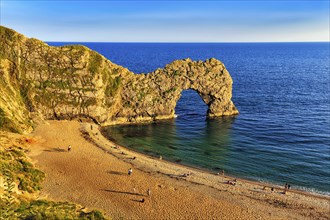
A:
(282, 91)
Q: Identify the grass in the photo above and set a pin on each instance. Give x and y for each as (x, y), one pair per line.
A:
(9, 34)
(7, 124)
(43, 209)
(176, 73)
(170, 90)
(113, 86)
(14, 164)
(94, 62)
(24, 91)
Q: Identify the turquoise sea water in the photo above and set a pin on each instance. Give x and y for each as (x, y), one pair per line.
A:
(282, 91)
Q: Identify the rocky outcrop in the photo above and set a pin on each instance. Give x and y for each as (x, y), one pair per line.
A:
(154, 95)
(39, 82)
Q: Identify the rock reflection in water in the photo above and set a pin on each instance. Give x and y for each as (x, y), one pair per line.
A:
(205, 146)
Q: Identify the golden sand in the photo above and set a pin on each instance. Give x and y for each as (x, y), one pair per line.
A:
(95, 174)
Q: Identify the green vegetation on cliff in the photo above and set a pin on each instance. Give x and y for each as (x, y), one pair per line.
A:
(6, 124)
(15, 165)
(39, 82)
(113, 86)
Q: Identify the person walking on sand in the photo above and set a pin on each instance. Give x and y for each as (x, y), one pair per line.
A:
(149, 192)
(69, 148)
(130, 171)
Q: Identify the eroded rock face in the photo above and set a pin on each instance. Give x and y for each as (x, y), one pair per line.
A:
(154, 95)
(38, 82)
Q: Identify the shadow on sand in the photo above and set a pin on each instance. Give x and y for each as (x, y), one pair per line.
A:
(116, 172)
(138, 200)
(122, 192)
(55, 149)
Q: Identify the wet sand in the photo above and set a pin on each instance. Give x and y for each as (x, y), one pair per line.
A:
(95, 174)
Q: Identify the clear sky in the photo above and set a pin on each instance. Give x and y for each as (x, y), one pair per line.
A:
(169, 21)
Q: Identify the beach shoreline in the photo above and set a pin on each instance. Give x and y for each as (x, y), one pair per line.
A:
(224, 197)
(205, 170)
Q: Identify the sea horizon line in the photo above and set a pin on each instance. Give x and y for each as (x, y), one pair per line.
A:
(178, 42)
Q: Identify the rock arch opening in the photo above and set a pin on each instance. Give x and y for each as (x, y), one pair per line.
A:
(191, 105)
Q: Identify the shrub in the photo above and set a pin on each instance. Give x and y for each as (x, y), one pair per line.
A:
(6, 124)
(94, 62)
(113, 86)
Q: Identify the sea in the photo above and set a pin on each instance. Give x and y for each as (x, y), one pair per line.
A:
(282, 91)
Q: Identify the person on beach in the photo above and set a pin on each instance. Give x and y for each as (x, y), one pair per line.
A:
(69, 148)
(130, 171)
(232, 182)
(148, 192)
(285, 188)
(142, 200)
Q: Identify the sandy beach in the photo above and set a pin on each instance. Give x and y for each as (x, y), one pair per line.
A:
(95, 174)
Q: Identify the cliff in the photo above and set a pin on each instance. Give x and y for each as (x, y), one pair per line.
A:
(38, 81)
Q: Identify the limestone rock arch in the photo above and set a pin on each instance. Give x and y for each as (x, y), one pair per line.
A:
(154, 95)
(38, 81)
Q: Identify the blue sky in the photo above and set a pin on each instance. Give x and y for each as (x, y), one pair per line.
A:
(169, 21)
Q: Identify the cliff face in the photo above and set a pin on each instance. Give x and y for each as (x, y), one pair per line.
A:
(39, 82)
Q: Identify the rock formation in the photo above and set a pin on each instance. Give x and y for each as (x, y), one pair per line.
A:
(39, 82)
